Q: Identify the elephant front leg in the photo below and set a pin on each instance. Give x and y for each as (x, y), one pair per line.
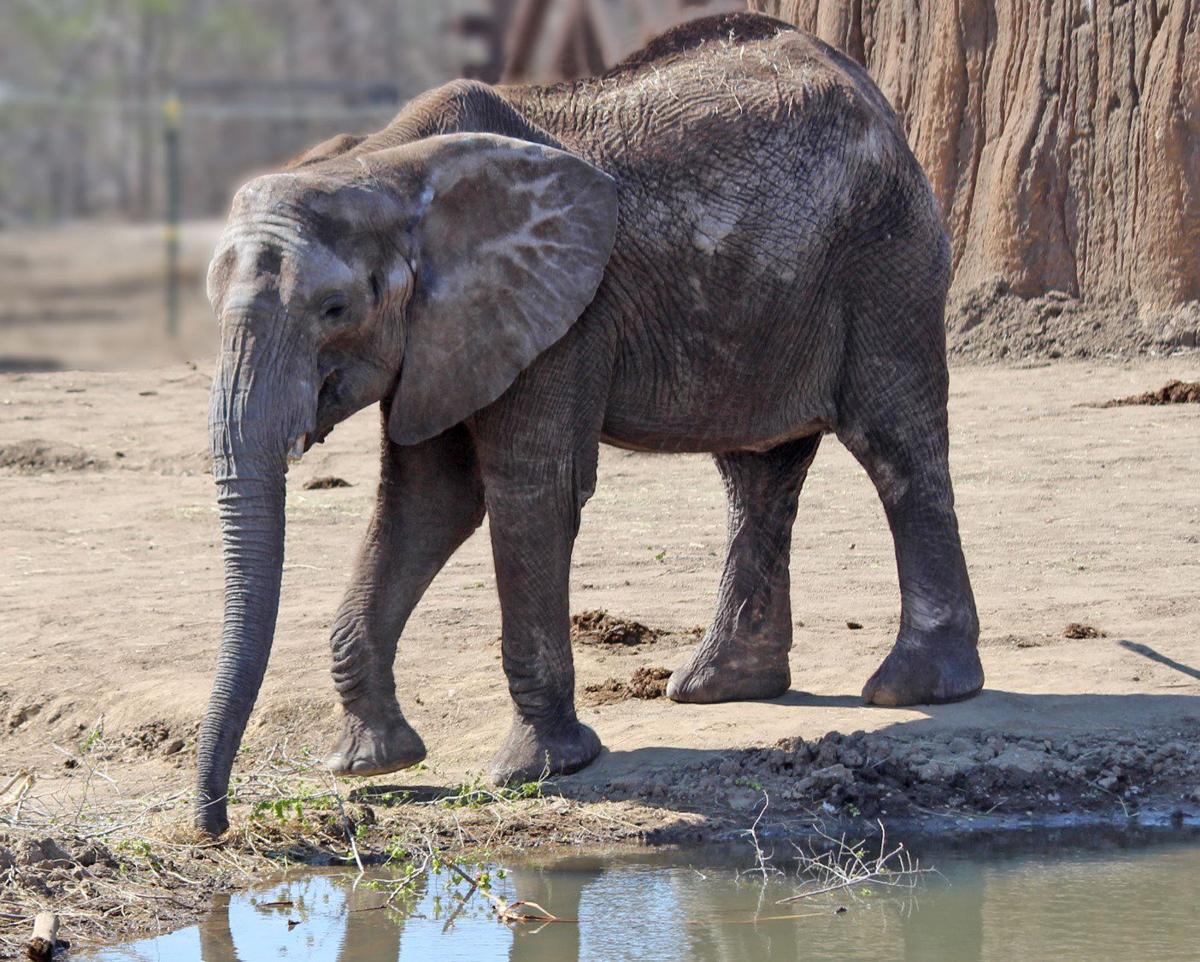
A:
(533, 526)
(430, 500)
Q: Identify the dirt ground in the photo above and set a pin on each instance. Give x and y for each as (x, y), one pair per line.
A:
(1081, 525)
(110, 583)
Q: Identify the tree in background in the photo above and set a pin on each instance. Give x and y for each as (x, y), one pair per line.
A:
(83, 82)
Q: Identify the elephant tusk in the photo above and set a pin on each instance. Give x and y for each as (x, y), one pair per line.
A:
(296, 451)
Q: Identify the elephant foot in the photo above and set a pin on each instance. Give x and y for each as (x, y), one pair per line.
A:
(210, 819)
(925, 675)
(530, 754)
(375, 747)
(730, 673)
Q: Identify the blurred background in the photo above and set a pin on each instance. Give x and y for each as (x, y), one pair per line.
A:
(120, 118)
(1062, 140)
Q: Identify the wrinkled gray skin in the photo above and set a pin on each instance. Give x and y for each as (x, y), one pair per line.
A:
(723, 245)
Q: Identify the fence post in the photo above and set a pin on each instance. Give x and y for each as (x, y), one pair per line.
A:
(172, 110)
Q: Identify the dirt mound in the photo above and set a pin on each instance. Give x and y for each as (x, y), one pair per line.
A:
(991, 323)
(1174, 392)
(1060, 144)
(646, 683)
(1076, 630)
(598, 627)
(872, 775)
(42, 457)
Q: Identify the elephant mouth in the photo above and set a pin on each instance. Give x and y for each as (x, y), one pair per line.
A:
(329, 403)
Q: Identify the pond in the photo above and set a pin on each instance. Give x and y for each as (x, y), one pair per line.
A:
(1050, 896)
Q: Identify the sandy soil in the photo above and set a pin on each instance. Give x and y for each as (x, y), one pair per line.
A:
(110, 582)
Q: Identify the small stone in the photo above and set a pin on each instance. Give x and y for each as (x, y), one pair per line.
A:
(173, 747)
(854, 625)
(1108, 782)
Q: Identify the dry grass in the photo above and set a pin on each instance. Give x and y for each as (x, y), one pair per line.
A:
(120, 869)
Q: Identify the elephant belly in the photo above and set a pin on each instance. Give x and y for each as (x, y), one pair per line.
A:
(748, 383)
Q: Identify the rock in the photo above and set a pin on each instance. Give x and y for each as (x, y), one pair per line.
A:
(96, 854)
(45, 853)
(1108, 782)
(1015, 758)
(824, 779)
(173, 747)
(945, 768)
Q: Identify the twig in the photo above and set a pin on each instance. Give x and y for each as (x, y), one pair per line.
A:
(845, 866)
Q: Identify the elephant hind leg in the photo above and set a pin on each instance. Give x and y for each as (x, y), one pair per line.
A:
(899, 434)
(430, 500)
(744, 653)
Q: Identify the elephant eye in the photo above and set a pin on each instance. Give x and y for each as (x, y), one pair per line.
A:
(335, 306)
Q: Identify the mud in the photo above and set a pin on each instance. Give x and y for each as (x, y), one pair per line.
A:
(600, 628)
(41, 457)
(1173, 392)
(646, 682)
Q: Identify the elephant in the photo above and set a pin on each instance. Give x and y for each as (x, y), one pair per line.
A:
(722, 245)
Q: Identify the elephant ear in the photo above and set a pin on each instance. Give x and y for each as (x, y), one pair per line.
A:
(509, 245)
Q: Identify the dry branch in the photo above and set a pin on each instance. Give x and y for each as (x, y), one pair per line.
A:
(45, 936)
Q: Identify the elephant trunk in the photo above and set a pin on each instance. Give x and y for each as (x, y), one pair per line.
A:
(251, 424)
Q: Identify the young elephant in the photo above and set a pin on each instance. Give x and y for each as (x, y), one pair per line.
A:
(722, 245)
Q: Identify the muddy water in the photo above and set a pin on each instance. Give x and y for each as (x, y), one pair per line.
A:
(1047, 900)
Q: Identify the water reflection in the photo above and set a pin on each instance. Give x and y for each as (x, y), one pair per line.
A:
(665, 906)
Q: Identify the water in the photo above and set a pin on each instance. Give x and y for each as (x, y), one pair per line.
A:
(1042, 901)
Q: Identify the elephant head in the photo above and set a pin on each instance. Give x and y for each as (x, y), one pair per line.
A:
(431, 274)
